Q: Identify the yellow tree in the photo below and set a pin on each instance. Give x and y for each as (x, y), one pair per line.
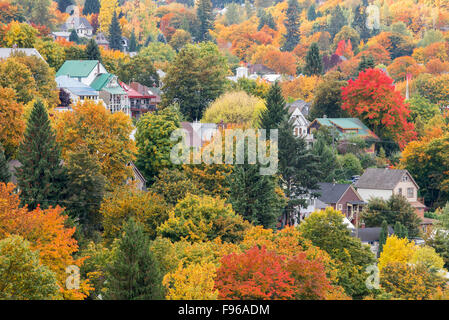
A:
(104, 134)
(107, 8)
(396, 249)
(12, 125)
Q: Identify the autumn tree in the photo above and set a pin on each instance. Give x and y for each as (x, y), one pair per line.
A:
(21, 34)
(17, 76)
(292, 26)
(373, 99)
(41, 177)
(327, 231)
(107, 9)
(11, 122)
(22, 276)
(122, 204)
(328, 101)
(201, 218)
(134, 273)
(235, 107)
(194, 79)
(105, 135)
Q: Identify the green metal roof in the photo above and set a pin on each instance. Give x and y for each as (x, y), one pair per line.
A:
(100, 81)
(77, 68)
(347, 124)
(115, 90)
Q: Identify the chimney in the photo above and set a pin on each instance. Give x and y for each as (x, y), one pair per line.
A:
(362, 225)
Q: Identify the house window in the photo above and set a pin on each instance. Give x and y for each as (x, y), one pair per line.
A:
(340, 207)
(400, 191)
(410, 193)
(405, 178)
(296, 131)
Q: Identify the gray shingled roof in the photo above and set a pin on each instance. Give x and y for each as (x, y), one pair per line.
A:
(370, 234)
(384, 179)
(331, 192)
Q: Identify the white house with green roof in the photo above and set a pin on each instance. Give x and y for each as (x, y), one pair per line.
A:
(84, 71)
(113, 95)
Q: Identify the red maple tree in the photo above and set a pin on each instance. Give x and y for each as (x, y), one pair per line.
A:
(372, 98)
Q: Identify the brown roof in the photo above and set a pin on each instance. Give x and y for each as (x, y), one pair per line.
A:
(384, 179)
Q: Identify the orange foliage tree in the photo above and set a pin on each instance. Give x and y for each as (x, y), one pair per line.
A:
(46, 232)
(399, 68)
(12, 125)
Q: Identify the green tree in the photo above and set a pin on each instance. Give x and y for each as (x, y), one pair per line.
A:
(311, 12)
(92, 51)
(153, 141)
(382, 237)
(327, 159)
(134, 273)
(91, 7)
(74, 37)
(400, 230)
(395, 209)
(206, 20)
(63, 4)
(87, 187)
(359, 22)
(5, 176)
(115, 34)
(326, 230)
(139, 69)
(22, 276)
(327, 100)
(41, 177)
(272, 116)
(337, 21)
(292, 26)
(314, 64)
(256, 197)
(349, 166)
(365, 63)
(266, 19)
(132, 47)
(196, 78)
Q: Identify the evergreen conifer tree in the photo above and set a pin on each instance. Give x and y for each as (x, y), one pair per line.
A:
(132, 42)
(63, 4)
(337, 21)
(74, 36)
(275, 112)
(115, 34)
(5, 176)
(359, 22)
(382, 237)
(206, 20)
(314, 64)
(92, 51)
(41, 177)
(311, 13)
(91, 7)
(134, 274)
(292, 25)
(400, 230)
(365, 63)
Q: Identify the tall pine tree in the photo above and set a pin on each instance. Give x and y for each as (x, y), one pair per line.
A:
(359, 22)
(206, 20)
(132, 42)
(63, 4)
(314, 63)
(5, 176)
(311, 13)
(272, 116)
(134, 274)
(92, 51)
(91, 7)
(365, 63)
(382, 237)
(74, 36)
(41, 177)
(115, 34)
(292, 25)
(337, 21)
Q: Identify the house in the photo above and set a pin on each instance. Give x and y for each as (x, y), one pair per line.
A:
(113, 95)
(80, 24)
(370, 236)
(300, 123)
(102, 40)
(5, 53)
(383, 183)
(84, 71)
(125, 43)
(140, 102)
(259, 69)
(61, 34)
(340, 196)
(200, 133)
(77, 90)
(154, 92)
(346, 128)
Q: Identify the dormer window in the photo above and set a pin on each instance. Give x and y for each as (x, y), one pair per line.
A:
(405, 178)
